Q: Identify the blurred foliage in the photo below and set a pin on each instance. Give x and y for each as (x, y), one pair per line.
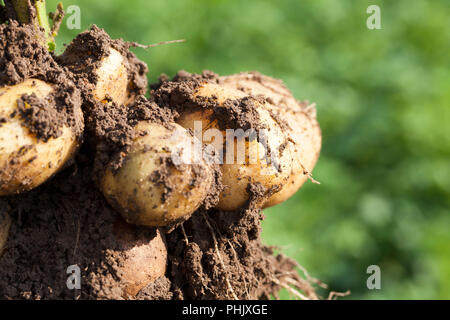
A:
(384, 106)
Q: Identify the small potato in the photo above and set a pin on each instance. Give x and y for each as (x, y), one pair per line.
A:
(266, 161)
(160, 182)
(302, 126)
(105, 67)
(112, 79)
(110, 75)
(5, 224)
(26, 161)
(143, 259)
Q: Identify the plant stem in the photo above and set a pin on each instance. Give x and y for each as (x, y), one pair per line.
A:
(34, 12)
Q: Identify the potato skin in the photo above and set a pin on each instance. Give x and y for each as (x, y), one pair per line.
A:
(5, 224)
(255, 169)
(149, 189)
(112, 79)
(145, 258)
(302, 126)
(25, 161)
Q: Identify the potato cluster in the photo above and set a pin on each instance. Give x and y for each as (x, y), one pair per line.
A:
(45, 102)
(276, 158)
(228, 140)
(273, 157)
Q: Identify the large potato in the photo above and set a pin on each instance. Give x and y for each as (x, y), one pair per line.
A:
(246, 160)
(26, 161)
(302, 126)
(159, 182)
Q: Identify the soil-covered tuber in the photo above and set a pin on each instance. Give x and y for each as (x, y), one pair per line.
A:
(40, 112)
(299, 122)
(251, 157)
(104, 67)
(26, 159)
(144, 259)
(158, 183)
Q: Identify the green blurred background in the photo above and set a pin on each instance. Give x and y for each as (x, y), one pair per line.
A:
(384, 106)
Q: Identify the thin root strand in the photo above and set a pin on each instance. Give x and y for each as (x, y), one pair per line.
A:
(216, 247)
(138, 45)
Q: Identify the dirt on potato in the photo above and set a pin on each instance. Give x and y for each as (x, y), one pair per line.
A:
(22, 57)
(94, 45)
(178, 94)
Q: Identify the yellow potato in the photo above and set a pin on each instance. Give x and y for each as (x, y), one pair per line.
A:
(245, 161)
(5, 224)
(160, 182)
(105, 67)
(112, 79)
(25, 161)
(145, 259)
(302, 126)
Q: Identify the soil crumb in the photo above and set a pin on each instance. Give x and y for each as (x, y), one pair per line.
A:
(158, 290)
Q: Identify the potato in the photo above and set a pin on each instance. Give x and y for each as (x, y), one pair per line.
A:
(5, 224)
(112, 79)
(143, 259)
(105, 67)
(302, 126)
(253, 161)
(159, 182)
(26, 161)
(110, 74)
